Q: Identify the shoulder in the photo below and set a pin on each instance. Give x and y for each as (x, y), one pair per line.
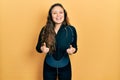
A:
(71, 27)
(42, 29)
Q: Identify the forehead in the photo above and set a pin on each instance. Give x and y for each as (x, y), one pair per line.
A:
(57, 8)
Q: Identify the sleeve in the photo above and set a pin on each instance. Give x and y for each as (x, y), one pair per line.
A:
(74, 42)
(39, 43)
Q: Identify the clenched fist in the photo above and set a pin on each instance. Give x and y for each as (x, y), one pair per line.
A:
(71, 50)
(44, 48)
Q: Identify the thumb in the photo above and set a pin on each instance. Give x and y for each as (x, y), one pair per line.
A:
(70, 46)
(44, 44)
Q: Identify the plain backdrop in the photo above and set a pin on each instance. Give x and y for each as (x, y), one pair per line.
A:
(98, 27)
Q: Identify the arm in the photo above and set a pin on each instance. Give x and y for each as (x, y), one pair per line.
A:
(74, 42)
(73, 45)
(39, 43)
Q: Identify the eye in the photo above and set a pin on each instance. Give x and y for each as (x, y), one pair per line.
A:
(54, 13)
(61, 12)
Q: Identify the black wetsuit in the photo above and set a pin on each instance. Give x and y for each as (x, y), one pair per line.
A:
(58, 63)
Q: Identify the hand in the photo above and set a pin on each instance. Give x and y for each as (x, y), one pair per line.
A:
(71, 50)
(44, 49)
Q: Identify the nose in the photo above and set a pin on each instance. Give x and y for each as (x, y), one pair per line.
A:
(58, 14)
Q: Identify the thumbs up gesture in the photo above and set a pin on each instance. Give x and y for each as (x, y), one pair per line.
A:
(44, 48)
(71, 50)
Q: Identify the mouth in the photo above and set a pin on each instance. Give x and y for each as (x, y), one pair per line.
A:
(59, 18)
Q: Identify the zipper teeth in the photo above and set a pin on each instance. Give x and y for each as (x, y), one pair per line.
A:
(57, 69)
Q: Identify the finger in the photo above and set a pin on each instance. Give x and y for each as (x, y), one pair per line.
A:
(44, 44)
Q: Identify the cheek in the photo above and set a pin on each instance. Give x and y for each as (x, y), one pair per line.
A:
(62, 15)
(53, 16)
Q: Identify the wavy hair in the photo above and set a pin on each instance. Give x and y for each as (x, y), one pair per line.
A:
(49, 34)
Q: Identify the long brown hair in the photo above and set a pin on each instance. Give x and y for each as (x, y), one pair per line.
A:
(48, 35)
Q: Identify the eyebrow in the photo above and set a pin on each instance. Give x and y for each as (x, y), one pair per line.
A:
(58, 11)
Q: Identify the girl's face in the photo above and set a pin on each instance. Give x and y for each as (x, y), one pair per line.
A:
(57, 15)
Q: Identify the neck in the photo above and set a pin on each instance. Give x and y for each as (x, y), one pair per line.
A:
(57, 27)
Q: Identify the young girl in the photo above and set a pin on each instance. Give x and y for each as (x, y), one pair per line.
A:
(58, 40)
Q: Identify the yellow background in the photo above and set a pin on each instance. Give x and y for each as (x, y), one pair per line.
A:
(98, 26)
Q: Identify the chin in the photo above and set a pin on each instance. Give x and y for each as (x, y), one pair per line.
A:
(59, 22)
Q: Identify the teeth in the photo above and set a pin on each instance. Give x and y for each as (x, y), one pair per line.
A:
(58, 18)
